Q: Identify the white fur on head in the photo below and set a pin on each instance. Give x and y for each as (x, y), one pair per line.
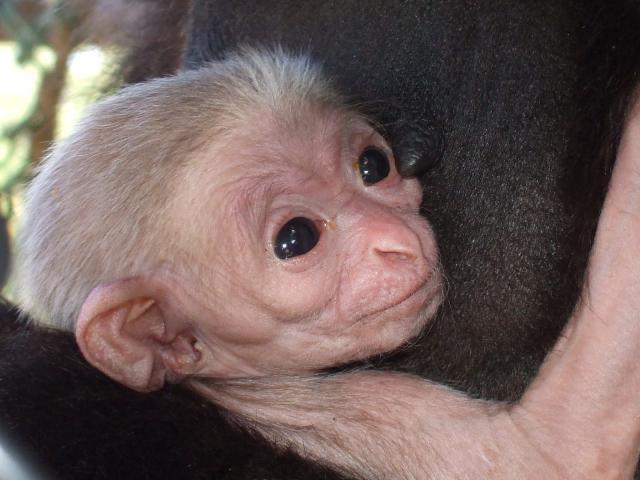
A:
(100, 207)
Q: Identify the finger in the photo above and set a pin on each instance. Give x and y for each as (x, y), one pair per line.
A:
(417, 146)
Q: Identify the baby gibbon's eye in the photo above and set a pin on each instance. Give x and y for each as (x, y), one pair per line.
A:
(297, 237)
(373, 165)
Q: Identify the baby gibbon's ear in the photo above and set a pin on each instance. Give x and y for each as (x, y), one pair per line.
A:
(123, 331)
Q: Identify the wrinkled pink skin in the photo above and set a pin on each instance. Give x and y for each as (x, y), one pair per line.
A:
(580, 418)
(364, 289)
(370, 283)
(226, 307)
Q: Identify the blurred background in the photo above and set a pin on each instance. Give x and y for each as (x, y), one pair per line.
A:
(56, 58)
(49, 72)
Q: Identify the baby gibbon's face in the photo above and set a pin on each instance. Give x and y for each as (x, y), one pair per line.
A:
(317, 254)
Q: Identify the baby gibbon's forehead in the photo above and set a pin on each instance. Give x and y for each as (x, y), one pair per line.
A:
(243, 172)
(312, 139)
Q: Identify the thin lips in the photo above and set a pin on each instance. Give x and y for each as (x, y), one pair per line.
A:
(403, 300)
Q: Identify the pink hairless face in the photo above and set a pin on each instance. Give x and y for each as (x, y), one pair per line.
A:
(319, 255)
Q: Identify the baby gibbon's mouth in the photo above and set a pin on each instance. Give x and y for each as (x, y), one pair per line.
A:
(422, 297)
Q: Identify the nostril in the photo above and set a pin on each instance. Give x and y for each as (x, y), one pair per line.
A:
(395, 242)
(396, 254)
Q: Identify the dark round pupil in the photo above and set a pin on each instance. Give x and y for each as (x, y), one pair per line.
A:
(297, 237)
(374, 165)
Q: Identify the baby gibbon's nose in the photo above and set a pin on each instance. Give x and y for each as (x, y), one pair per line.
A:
(393, 241)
